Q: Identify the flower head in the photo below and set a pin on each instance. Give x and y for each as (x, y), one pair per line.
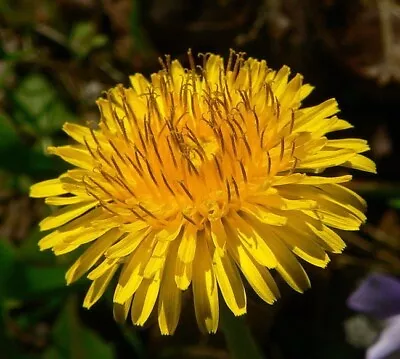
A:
(196, 177)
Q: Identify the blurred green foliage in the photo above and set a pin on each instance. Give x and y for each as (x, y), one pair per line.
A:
(72, 340)
(39, 50)
(84, 39)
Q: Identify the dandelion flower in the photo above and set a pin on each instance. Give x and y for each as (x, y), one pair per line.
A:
(202, 179)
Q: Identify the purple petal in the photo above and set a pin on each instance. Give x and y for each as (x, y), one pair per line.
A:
(378, 295)
(388, 342)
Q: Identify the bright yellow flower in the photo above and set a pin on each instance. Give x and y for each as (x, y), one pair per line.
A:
(196, 177)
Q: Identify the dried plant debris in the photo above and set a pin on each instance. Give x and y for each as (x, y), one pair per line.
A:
(388, 69)
(377, 247)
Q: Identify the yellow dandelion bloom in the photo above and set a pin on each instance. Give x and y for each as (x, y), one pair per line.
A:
(202, 179)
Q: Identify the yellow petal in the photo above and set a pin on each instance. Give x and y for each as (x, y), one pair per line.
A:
(81, 134)
(291, 95)
(89, 258)
(230, 283)
(64, 248)
(332, 240)
(106, 114)
(73, 184)
(187, 246)
(135, 226)
(322, 126)
(132, 272)
(205, 289)
(218, 235)
(52, 239)
(169, 303)
(362, 163)
(183, 274)
(313, 116)
(98, 287)
(75, 229)
(157, 259)
(287, 265)
(280, 81)
(120, 311)
(144, 300)
(65, 215)
(250, 239)
(346, 195)
(324, 196)
(303, 246)
(336, 205)
(356, 144)
(264, 215)
(305, 90)
(63, 201)
(86, 235)
(127, 244)
(139, 83)
(257, 276)
(214, 65)
(297, 204)
(186, 255)
(170, 232)
(347, 223)
(77, 236)
(299, 178)
(326, 158)
(47, 188)
(75, 155)
(339, 125)
(102, 268)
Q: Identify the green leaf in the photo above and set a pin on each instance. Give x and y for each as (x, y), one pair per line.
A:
(48, 307)
(19, 159)
(29, 251)
(99, 41)
(53, 117)
(239, 339)
(8, 133)
(141, 40)
(34, 94)
(37, 106)
(29, 281)
(72, 340)
(6, 72)
(51, 353)
(7, 261)
(84, 39)
(376, 189)
(395, 203)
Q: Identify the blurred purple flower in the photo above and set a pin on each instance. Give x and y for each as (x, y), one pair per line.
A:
(379, 296)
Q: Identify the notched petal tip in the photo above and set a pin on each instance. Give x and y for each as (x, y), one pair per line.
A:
(52, 187)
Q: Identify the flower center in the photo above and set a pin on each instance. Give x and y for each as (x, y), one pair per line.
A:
(195, 145)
